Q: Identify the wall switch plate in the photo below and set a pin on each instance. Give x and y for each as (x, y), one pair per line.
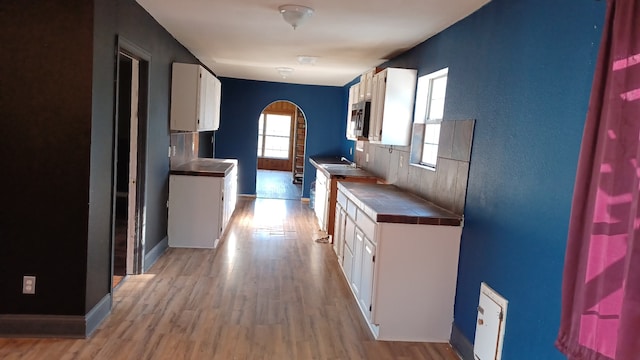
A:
(28, 284)
(366, 157)
(169, 155)
(401, 158)
(173, 150)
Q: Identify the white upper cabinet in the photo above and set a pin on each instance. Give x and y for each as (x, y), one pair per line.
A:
(195, 99)
(392, 101)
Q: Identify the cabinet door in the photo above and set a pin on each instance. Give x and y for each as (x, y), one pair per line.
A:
(367, 80)
(195, 208)
(347, 264)
(185, 90)
(229, 196)
(216, 99)
(320, 206)
(349, 244)
(338, 233)
(366, 280)
(209, 102)
(377, 105)
(349, 233)
(357, 263)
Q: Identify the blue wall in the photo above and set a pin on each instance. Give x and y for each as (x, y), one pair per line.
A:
(324, 108)
(522, 69)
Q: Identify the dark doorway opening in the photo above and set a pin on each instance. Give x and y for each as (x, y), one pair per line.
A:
(131, 109)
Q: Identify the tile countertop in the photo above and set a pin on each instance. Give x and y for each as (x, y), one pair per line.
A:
(206, 167)
(321, 163)
(389, 204)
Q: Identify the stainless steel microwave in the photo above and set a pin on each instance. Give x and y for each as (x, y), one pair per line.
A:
(360, 114)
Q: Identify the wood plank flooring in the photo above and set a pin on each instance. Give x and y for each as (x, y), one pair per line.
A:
(273, 184)
(268, 292)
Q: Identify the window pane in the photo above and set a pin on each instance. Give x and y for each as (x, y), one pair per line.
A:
(276, 147)
(276, 154)
(431, 134)
(436, 103)
(429, 154)
(422, 99)
(278, 125)
(260, 145)
(436, 110)
(439, 88)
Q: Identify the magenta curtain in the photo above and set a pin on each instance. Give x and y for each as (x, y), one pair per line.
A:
(601, 286)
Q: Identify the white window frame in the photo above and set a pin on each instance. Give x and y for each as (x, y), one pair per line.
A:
(421, 116)
(264, 135)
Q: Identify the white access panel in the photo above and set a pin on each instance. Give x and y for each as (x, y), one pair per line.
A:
(489, 325)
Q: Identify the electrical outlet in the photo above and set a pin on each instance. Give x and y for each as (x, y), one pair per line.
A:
(28, 284)
(173, 149)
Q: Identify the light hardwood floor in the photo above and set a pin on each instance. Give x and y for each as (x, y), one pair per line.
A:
(268, 292)
(273, 184)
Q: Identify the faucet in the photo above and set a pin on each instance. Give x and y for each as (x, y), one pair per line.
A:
(351, 163)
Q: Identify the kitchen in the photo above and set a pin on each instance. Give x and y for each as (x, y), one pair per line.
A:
(506, 220)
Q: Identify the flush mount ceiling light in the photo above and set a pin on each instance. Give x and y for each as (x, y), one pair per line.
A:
(307, 60)
(295, 15)
(284, 71)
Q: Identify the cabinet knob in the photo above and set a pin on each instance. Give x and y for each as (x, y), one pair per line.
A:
(480, 322)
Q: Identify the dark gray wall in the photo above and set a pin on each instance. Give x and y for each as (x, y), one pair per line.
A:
(56, 102)
(45, 105)
(127, 19)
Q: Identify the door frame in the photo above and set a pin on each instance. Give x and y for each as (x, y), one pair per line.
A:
(127, 48)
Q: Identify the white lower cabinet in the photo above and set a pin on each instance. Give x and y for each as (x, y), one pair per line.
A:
(321, 205)
(403, 276)
(200, 208)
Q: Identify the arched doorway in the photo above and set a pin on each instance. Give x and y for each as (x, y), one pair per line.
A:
(281, 150)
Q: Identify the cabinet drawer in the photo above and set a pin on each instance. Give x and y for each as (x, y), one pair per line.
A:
(342, 199)
(367, 225)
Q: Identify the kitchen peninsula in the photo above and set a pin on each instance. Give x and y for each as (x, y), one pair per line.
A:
(330, 170)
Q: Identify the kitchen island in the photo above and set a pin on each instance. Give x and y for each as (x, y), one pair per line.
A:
(202, 198)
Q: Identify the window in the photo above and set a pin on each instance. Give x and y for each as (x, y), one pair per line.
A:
(429, 111)
(274, 131)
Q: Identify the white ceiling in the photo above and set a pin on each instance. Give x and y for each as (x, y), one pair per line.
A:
(248, 39)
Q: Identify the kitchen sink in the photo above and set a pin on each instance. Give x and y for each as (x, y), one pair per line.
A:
(339, 166)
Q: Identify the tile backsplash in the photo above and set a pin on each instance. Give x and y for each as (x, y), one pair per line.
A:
(447, 185)
(184, 148)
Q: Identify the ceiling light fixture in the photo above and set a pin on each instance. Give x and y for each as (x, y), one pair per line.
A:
(284, 71)
(307, 60)
(295, 15)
